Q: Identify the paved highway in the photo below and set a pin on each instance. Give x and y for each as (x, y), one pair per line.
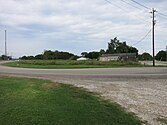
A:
(160, 72)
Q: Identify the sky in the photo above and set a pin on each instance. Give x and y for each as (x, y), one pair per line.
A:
(79, 25)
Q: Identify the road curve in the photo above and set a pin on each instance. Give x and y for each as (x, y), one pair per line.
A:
(160, 72)
(140, 90)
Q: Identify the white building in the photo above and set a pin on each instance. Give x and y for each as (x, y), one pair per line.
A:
(82, 59)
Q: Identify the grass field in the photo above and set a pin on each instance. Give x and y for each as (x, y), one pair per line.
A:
(41, 102)
(61, 64)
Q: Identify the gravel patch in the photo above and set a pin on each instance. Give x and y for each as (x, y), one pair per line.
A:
(146, 97)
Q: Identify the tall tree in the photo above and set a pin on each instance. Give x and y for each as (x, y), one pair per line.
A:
(112, 45)
(115, 46)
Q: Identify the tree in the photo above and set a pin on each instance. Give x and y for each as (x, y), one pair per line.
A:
(23, 58)
(115, 46)
(48, 54)
(92, 55)
(145, 56)
(122, 48)
(4, 57)
(84, 54)
(112, 46)
(133, 50)
(27, 58)
(30, 57)
(39, 57)
(161, 56)
(51, 55)
(102, 51)
(73, 57)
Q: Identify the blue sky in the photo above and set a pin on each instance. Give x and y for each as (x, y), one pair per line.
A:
(78, 25)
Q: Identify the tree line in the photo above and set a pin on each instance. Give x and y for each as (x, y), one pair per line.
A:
(114, 46)
(161, 56)
(51, 55)
(4, 57)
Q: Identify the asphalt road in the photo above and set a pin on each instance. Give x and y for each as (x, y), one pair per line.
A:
(140, 90)
(160, 72)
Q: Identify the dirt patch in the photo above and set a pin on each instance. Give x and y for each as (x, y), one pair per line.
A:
(50, 85)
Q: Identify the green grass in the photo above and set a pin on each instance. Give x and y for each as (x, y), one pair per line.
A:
(63, 64)
(41, 102)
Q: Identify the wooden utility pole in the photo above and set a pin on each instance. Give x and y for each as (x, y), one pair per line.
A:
(166, 53)
(153, 28)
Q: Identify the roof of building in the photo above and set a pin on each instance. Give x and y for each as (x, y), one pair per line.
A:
(119, 54)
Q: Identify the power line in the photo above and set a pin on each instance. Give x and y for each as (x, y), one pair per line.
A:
(141, 4)
(153, 25)
(130, 4)
(162, 15)
(111, 3)
(115, 5)
(142, 38)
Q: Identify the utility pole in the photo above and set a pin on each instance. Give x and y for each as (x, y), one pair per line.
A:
(153, 25)
(5, 44)
(166, 53)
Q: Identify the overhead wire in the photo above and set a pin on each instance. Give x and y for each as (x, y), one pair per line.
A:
(162, 15)
(115, 5)
(165, 16)
(130, 4)
(135, 15)
(142, 38)
(111, 3)
(141, 4)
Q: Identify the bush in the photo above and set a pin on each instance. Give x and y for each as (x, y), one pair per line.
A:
(161, 56)
(145, 56)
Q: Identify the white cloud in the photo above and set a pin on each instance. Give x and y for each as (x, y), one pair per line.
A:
(41, 24)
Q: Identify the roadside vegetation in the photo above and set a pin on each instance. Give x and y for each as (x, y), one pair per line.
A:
(145, 57)
(41, 102)
(59, 64)
(115, 46)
